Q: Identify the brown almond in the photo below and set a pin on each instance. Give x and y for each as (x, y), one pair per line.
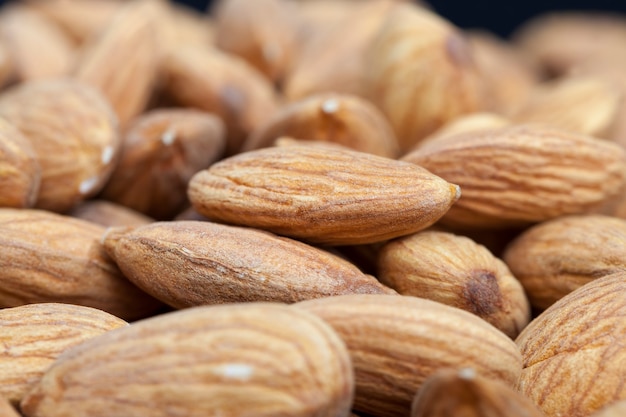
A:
(74, 133)
(20, 173)
(520, 175)
(160, 152)
(335, 118)
(173, 262)
(245, 359)
(453, 392)
(48, 257)
(396, 342)
(183, 24)
(34, 335)
(456, 271)
(556, 257)
(108, 214)
(574, 363)
(323, 195)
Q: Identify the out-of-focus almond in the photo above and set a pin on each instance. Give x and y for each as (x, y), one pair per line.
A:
(108, 214)
(396, 342)
(184, 25)
(160, 152)
(7, 64)
(20, 174)
(34, 335)
(172, 262)
(74, 133)
(456, 271)
(6, 409)
(614, 409)
(474, 122)
(48, 257)
(336, 118)
(524, 174)
(323, 195)
(256, 359)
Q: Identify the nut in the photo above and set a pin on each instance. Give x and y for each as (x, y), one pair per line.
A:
(108, 214)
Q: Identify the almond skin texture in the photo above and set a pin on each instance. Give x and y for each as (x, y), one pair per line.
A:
(554, 258)
(74, 133)
(173, 262)
(108, 214)
(520, 175)
(456, 271)
(396, 342)
(454, 393)
(48, 257)
(574, 363)
(34, 335)
(20, 174)
(238, 360)
(323, 195)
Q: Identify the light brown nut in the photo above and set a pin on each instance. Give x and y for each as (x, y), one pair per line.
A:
(453, 392)
(396, 342)
(20, 174)
(173, 262)
(554, 258)
(574, 361)
(456, 271)
(36, 46)
(614, 409)
(34, 335)
(181, 24)
(524, 174)
(263, 32)
(421, 73)
(335, 118)
(237, 360)
(160, 152)
(580, 104)
(323, 195)
(74, 133)
(122, 61)
(108, 214)
(48, 257)
(240, 95)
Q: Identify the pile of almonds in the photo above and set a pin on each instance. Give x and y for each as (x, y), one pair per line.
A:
(307, 208)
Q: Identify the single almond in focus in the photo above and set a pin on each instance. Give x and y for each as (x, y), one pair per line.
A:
(520, 175)
(463, 392)
(396, 342)
(335, 118)
(556, 257)
(256, 359)
(74, 133)
(456, 271)
(174, 262)
(20, 174)
(160, 152)
(574, 360)
(108, 214)
(34, 335)
(48, 257)
(323, 195)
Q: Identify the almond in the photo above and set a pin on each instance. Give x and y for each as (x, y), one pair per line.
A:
(237, 360)
(6, 409)
(20, 174)
(456, 271)
(323, 195)
(396, 342)
(34, 335)
(574, 363)
(520, 175)
(108, 214)
(616, 409)
(172, 262)
(556, 257)
(48, 257)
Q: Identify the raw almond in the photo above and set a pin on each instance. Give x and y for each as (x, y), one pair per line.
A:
(173, 262)
(574, 363)
(108, 214)
(48, 257)
(396, 342)
(237, 360)
(34, 335)
(322, 195)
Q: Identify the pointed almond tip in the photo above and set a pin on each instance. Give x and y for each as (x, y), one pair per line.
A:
(456, 192)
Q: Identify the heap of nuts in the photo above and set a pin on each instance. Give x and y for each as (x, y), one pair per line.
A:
(309, 208)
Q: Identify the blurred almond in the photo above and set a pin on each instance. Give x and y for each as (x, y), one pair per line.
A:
(474, 122)
(456, 271)
(182, 24)
(520, 175)
(6, 409)
(161, 151)
(108, 214)
(73, 132)
(321, 194)
(34, 335)
(335, 118)
(48, 257)
(7, 64)
(615, 409)
(20, 174)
